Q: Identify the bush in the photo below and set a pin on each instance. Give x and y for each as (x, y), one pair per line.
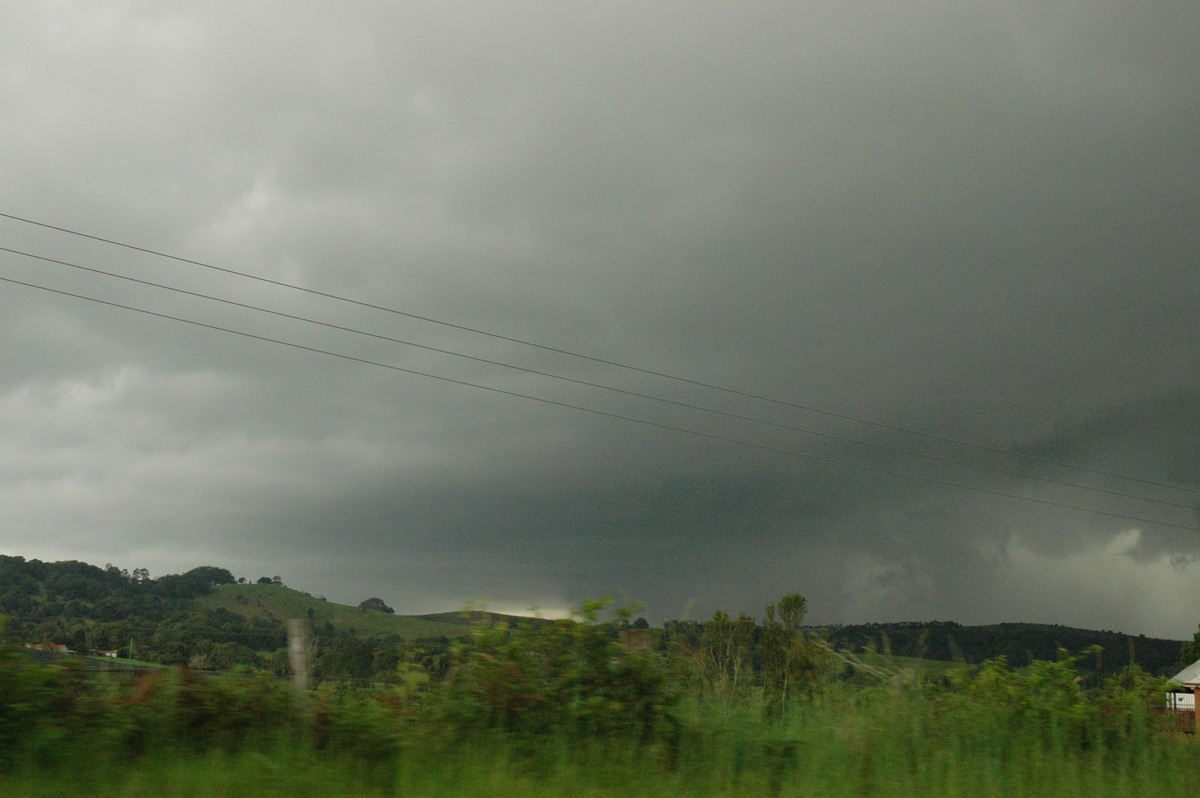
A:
(568, 675)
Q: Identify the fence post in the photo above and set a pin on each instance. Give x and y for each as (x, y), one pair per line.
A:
(298, 652)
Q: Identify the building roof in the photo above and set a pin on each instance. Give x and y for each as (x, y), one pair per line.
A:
(1189, 675)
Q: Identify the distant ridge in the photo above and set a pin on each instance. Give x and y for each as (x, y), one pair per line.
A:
(467, 617)
(1019, 643)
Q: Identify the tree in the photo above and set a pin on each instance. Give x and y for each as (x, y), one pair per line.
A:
(265, 580)
(183, 586)
(212, 575)
(724, 652)
(375, 604)
(1191, 650)
(224, 656)
(787, 657)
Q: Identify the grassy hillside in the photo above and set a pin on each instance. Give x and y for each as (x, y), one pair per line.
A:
(281, 603)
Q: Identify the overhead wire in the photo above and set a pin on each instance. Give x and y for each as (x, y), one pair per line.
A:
(602, 361)
(603, 413)
(591, 384)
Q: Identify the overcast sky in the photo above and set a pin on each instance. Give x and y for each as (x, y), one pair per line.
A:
(974, 220)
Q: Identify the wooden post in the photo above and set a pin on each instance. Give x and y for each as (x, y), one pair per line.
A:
(298, 652)
(1196, 710)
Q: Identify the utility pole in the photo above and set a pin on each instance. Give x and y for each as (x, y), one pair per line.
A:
(298, 652)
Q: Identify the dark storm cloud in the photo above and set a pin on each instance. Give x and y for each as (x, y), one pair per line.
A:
(972, 220)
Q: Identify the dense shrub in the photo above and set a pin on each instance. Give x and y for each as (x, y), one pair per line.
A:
(563, 675)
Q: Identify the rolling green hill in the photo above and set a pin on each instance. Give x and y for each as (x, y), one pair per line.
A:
(275, 602)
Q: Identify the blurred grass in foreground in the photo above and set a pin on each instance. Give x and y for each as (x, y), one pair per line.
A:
(883, 741)
(562, 709)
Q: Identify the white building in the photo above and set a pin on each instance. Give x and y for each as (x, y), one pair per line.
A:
(1184, 697)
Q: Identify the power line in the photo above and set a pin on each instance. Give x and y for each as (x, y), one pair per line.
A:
(590, 384)
(604, 413)
(602, 361)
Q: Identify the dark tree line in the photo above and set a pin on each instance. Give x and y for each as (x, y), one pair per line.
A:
(91, 609)
(1019, 643)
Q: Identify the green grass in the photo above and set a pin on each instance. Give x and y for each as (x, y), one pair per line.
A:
(900, 665)
(823, 756)
(494, 729)
(121, 663)
(846, 741)
(281, 603)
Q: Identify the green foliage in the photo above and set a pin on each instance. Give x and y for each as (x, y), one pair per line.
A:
(375, 604)
(182, 708)
(1190, 652)
(563, 708)
(594, 705)
(26, 695)
(569, 674)
(202, 618)
(1019, 643)
(50, 714)
(721, 661)
(994, 704)
(211, 574)
(791, 662)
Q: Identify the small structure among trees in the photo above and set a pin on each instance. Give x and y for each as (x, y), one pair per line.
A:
(1183, 698)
